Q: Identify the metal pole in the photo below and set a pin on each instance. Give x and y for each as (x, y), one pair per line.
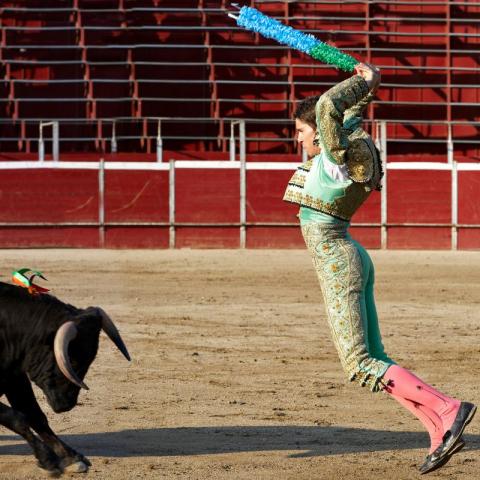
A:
(376, 128)
(55, 142)
(243, 186)
(113, 142)
(383, 198)
(243, 142)
(41, 145)
(159, 142)
(101, 202)
(171, 204)
(232, 141)
(448, 66)
(454, 206)
(449, 144)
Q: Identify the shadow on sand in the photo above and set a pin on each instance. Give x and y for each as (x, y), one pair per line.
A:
(309, 440)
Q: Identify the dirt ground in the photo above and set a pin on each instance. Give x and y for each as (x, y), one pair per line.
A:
(234, 375)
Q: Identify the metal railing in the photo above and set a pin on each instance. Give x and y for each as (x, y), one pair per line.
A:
(469, 3)
(55, 141)
(155, 140)
(187, 81)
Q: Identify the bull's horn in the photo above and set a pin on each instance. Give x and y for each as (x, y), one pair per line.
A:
(113, 334)
(65, 334)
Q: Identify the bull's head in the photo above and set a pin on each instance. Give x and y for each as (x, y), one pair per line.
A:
(75, 347)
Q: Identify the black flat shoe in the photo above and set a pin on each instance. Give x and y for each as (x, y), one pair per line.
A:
(439, 457)
(464, 416)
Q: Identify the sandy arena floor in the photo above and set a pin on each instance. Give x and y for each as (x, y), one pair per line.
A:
(234, 375)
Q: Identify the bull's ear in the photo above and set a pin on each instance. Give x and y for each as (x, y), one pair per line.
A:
(88, 314)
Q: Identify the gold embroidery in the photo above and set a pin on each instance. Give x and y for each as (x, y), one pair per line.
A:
(298, 179)
(341, 146)
(329, 111)
(306, 166)
(338, 208)
(363, 163)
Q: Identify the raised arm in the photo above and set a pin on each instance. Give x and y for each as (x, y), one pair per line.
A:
(339, 110)
(353, 117)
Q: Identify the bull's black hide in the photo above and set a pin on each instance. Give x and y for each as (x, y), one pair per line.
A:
(52, 344)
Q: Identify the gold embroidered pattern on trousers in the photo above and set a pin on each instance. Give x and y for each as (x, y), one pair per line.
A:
(339, 269)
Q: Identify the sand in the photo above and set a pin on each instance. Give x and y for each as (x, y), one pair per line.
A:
(234, 375)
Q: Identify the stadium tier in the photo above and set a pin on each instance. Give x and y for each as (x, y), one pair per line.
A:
(131, 62)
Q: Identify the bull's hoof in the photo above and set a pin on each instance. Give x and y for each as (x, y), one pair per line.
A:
(54, 473)
(51, 472)
(50, 465)
(85, 460)
(77, 467)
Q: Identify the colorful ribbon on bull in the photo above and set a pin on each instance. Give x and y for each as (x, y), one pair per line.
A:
(20, 277)
(252, 19)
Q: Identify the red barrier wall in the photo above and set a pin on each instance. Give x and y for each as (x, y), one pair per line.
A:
(204, 197)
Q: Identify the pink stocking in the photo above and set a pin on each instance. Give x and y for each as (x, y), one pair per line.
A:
(434, 409)
(430, 420)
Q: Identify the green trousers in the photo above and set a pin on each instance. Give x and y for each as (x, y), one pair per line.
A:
(346, 275)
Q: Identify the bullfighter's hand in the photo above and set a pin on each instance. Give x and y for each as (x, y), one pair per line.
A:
(371, 74)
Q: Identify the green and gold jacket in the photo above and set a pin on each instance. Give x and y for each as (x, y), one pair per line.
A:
(342, 176)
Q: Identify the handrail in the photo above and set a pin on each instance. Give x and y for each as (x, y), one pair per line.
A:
(220, 100)
(202, 28)
(225, 82)
(220, 10)
(182, 9)
(234, 64)
(113, 10)
(226, 138)
(222, 47)
(225, 47)
(227, 119)
(216, 164)
(448, 140)
(382, 19)
(73, 27)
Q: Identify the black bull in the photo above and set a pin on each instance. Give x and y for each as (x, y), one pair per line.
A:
(52, 344)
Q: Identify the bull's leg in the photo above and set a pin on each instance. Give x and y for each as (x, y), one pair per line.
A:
(18, 423)
(70, 460)
(23, 400)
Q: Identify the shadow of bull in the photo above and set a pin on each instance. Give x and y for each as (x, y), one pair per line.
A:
(299, 441)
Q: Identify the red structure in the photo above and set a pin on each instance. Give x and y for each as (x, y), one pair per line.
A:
(125, 79)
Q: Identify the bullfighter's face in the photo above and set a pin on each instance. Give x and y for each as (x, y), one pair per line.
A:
(306, 137)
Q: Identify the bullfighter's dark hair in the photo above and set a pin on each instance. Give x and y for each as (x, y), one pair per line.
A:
(305, 111)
